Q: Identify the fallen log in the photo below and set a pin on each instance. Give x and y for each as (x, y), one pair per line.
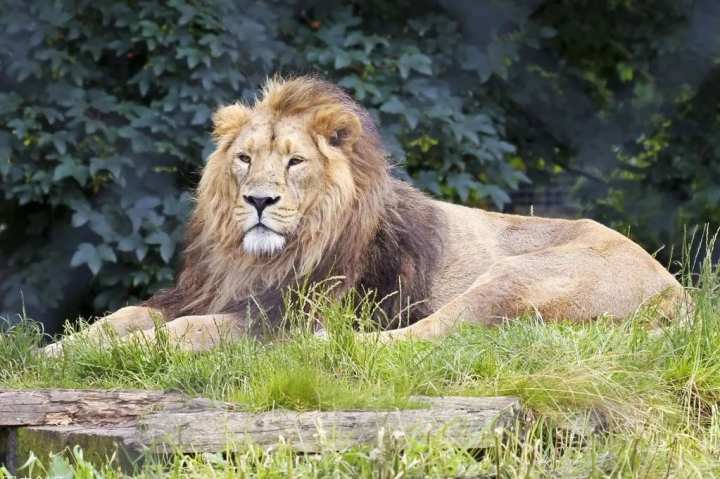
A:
(50, 407)
(134, 425)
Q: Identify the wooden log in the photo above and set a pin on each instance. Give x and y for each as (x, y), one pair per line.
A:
(137, 424)
(99, 421)
(464, 420)
(70, 406)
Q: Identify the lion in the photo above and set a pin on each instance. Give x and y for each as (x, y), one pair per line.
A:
(299, 190)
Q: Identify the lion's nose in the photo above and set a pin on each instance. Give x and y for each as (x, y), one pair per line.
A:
(261, 202)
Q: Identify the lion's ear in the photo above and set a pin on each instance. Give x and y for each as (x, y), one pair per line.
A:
(339, 126)
(229, 119)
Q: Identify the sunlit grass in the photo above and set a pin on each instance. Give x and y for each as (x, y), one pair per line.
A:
(651, 388)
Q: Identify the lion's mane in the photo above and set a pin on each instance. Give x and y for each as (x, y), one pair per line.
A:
(377, 233)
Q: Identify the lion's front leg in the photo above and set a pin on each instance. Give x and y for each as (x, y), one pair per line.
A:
(438, 325)
(489, 300)
(196, 333)
(120, 323)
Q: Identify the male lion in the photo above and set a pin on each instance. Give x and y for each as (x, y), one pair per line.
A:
(299, 190)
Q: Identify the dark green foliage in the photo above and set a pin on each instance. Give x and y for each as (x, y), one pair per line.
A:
(105, 116)
(105, 111)
(625, 98)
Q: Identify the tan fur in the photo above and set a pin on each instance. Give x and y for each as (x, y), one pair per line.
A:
(340, 206)
(500, 266)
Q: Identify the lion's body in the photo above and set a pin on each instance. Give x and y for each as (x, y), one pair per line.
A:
(497, 266)
(299, 190)
(596, 269)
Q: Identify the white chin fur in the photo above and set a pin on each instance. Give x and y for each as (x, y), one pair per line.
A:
(262, 241)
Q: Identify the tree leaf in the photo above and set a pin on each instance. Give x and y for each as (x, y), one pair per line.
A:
(393, 105)
(87, 254)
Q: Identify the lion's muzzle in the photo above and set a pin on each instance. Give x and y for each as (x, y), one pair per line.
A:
(260, 202)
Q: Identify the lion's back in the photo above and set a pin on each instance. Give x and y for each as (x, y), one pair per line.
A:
(477, 241)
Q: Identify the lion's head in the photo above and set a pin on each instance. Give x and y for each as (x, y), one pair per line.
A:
(294, 174)
(283, 164)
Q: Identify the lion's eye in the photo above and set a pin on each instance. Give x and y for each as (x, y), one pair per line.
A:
(295, 160)
(244, 158)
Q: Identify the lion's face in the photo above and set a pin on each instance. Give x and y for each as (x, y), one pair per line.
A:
(279, 173)
(297, 181)
(283, 168)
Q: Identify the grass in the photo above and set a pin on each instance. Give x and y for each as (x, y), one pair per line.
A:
(655, 384)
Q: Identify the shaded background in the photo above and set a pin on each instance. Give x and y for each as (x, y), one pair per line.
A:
(607, 109)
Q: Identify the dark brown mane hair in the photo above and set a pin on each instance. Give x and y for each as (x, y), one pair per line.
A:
(383, 240)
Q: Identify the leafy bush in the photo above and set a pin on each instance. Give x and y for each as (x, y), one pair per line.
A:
(647, 153)
(105, 107)
(106, 110)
